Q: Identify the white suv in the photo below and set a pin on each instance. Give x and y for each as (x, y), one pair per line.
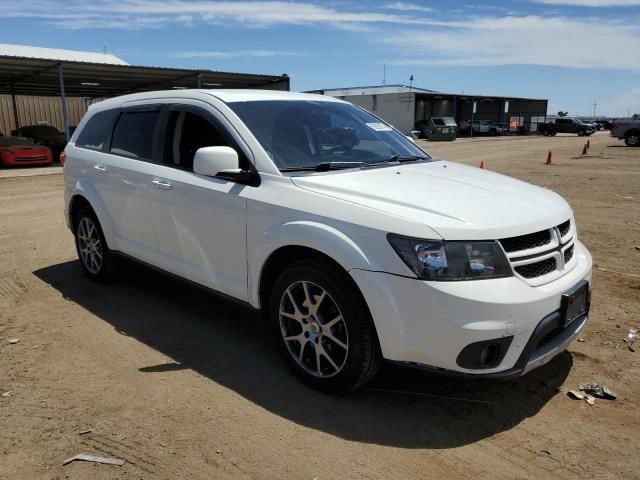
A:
(356, 244)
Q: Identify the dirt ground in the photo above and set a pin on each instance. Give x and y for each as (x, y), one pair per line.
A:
(184, 385)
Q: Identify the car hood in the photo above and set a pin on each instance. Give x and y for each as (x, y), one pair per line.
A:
(457, 201)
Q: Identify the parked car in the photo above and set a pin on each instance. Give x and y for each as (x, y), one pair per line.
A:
(629, 130)
(566, 125)
(594, 126)
(355, 244)
(20, 151)
(604, 124)
(486, 127)
(44, 135)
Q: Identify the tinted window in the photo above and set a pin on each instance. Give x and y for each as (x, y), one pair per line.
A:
(133, 135)
(97, 130)
(187, 132)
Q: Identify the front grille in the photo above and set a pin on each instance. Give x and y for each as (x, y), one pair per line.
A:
(533, 270)
(31, 159)
(526, 242)
(564, 228)
(568, 254)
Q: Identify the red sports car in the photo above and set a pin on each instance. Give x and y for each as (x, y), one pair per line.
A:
(19, 151)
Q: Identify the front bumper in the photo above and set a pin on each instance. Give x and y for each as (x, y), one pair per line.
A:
(428, 324)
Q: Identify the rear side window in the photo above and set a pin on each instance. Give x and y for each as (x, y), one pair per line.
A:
(96, 132)
(133, 134)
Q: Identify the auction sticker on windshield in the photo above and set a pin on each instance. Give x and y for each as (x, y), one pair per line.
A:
(379, 127)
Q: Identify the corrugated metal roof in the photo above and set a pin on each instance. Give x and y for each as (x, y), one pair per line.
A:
(34, 76)
(24, 51)
(372, 89)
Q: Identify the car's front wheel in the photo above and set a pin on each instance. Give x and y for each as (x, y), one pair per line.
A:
(324, 327)
(95, 257)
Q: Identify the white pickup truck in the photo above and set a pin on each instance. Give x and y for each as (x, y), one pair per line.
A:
(629, 130)
(484, 126)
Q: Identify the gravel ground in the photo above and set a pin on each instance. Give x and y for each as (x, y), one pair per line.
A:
(185, 385)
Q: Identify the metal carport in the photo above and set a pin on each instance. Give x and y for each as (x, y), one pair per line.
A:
(50, 77)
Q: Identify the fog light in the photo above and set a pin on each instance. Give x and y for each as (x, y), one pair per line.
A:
(484, 354)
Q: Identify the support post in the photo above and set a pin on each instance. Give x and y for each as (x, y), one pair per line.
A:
(473, 113)
(65, 111)
(16, 119)
(199, 78)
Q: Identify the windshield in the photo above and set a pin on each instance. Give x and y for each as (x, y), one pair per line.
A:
(309, 134)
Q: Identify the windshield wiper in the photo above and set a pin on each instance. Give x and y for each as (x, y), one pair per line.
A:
(397, 159)
(324, 167)
(402, 159)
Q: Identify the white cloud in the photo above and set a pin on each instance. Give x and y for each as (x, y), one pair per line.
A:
(231, 54)
(592, 3)
(407, 7)
(153, 13)
(528, 40)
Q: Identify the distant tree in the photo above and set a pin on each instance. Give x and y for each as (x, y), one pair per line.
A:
(562, 114)
(636, 116)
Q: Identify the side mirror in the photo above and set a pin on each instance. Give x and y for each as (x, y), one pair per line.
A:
(212, 161)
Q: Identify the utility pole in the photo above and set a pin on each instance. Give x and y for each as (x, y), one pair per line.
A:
(384, 74)
(595, 104)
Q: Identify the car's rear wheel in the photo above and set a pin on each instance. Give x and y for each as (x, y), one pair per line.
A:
(632, 139)
(324, 327)
(493, 132)
(581, 133)
(95, 257)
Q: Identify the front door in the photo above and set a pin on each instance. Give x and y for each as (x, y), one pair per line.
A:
(200, 221)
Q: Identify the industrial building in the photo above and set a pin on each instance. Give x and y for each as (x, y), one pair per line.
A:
(403, 106)
(54, 87)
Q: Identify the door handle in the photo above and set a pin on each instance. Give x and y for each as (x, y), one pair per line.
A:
(162, 185)
(101, 168)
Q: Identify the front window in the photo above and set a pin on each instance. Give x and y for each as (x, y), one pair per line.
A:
(308, 135)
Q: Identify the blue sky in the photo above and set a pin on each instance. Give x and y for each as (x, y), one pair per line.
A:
(573, 52)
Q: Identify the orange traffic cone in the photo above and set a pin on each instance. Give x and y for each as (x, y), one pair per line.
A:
(588, 144)
(482, 164)
(549, 161)
(584, 149)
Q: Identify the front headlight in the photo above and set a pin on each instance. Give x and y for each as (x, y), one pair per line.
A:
(451, 261)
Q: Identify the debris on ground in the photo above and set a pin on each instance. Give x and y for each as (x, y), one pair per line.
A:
(597, 390)
(84, 432)
(581, 339)
(6, 394)
(631, 338)
(13, 341)
(576, 394)
(589, 399)
(84, 457)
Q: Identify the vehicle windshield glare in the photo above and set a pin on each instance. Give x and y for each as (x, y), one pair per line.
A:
(304, 134)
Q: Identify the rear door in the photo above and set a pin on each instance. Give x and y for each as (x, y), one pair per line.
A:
(125, 174)
(200, 221)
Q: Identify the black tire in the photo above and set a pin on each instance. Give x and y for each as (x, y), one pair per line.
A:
(546, 133)
(581, 133)
(105, 270)
(359, 362)
(493, 132)
(632, 139)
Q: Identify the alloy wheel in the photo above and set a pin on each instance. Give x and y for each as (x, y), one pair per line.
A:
(89, 245)
(313, 329)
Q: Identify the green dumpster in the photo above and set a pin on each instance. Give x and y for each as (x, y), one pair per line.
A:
(442, 129)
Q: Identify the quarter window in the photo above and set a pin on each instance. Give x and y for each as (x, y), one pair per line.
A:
(96, 132)
(133, 135)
